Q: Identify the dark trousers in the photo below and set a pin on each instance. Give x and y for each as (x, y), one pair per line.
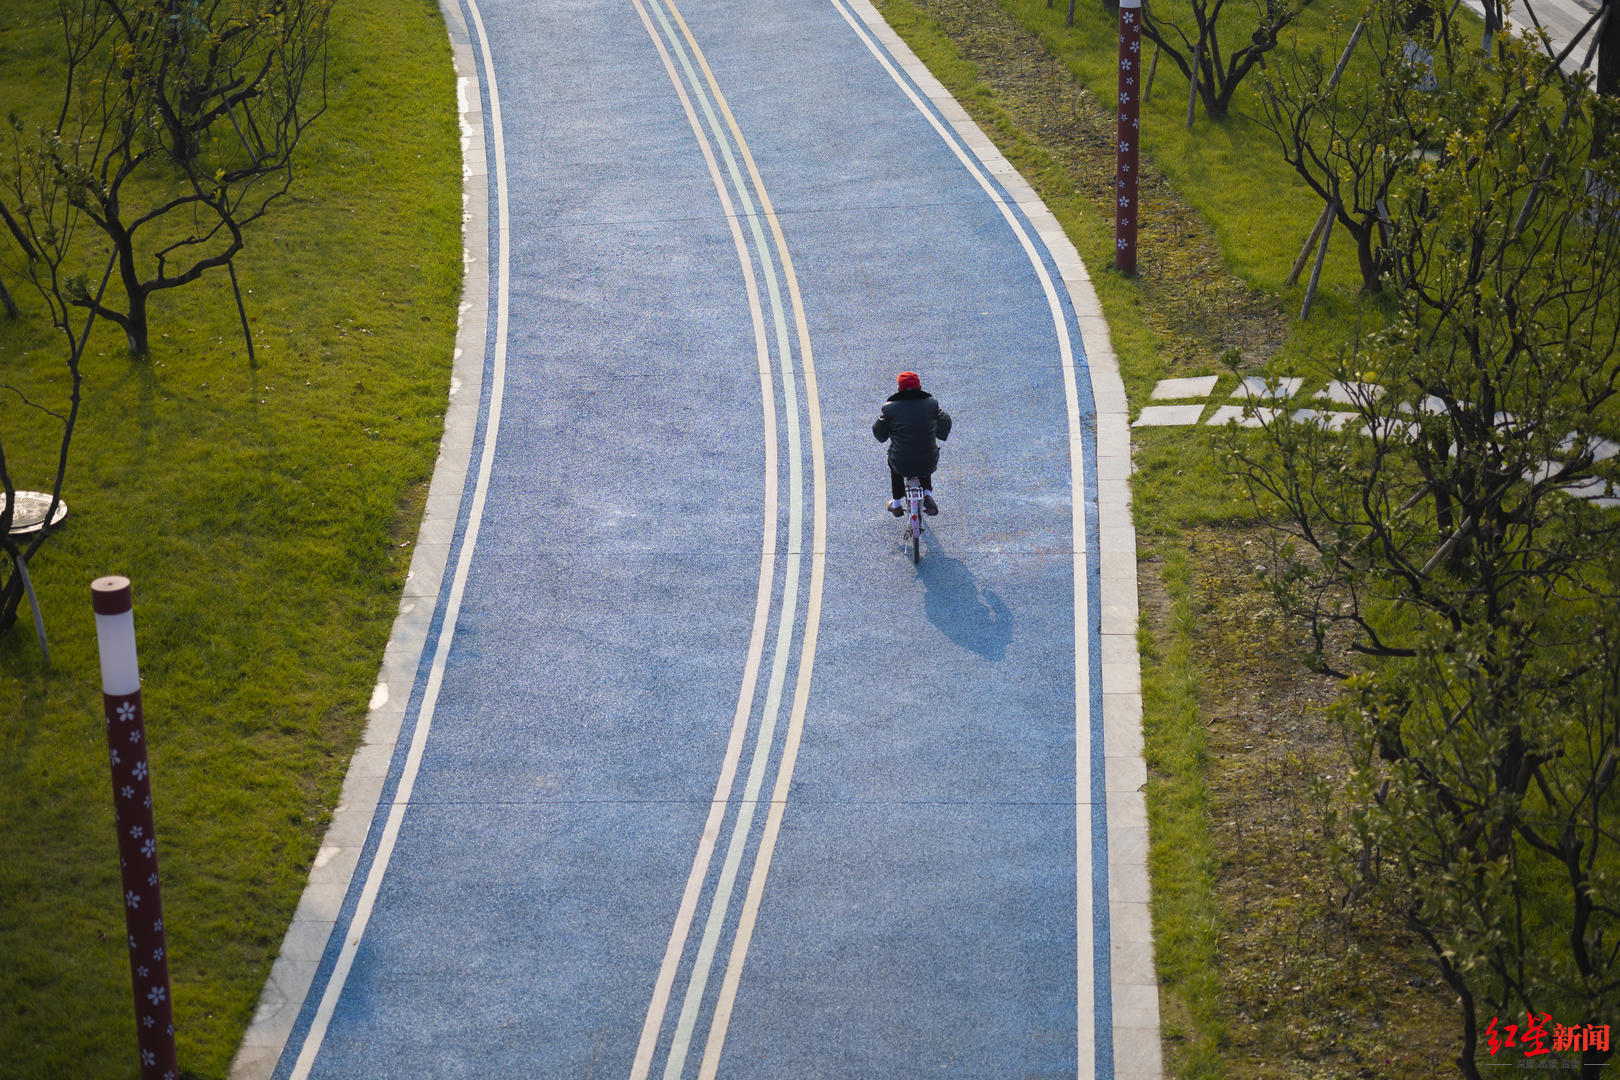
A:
(897, 483)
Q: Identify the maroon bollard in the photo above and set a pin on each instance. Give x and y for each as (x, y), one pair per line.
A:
(137, 840)
(1130, 83)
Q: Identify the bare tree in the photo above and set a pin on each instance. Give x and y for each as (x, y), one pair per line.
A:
(1196, 48)
(46, 264)
(1452, 544)
(176, 130)
(1350, 139)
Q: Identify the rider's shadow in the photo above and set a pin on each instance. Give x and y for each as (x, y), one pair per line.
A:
(974, 617)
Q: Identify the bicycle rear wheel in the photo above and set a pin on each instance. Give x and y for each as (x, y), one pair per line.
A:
(914, 502)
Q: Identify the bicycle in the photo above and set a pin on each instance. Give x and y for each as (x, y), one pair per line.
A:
(914, 515)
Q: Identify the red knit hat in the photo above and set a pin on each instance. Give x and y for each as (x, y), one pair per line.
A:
(909, 380)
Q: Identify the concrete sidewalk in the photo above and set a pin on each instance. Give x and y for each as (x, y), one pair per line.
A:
(1562, 19)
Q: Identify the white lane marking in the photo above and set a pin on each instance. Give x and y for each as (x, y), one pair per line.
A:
(1085, 969)
(704, 962)
(691, 1005)
(783, 348)
(720, 1023)
(692, 1002)
(756, 645)
(430, 697)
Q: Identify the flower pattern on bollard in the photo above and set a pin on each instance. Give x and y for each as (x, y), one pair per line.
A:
(1126, 212)
(143, 899)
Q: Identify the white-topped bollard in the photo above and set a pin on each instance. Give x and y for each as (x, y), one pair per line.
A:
(137, 839)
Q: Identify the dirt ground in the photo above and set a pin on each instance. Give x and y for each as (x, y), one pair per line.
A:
(1310, 988)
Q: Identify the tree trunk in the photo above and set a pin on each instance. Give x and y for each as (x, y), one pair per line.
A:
(7, 302)
(11, 593)
(135, 323)
(1493, 23)
(1372, 281)
(135, 327)
(1419, 17)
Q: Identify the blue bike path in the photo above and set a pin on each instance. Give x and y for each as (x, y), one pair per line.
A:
(699, 775)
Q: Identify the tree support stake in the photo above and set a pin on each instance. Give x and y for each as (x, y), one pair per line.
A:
(1316, 271)
(1310, 243)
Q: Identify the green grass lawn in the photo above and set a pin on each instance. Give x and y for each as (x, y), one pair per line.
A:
(265, 515)
(1228, 170)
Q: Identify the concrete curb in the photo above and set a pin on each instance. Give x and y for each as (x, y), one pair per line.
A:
(290, 978)
(1134, 979)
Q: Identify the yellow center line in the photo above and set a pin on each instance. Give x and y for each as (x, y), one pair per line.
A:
(749, 916)
(657, 1008)
(756, 645)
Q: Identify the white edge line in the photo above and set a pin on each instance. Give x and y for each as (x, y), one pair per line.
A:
(292, 975)
(379, 866)
(413, 761)
(1121, 682)
(1084, 862)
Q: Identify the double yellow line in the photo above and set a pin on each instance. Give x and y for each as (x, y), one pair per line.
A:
(687, 53)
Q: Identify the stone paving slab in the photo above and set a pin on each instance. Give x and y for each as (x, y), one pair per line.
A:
(1602, 449)
(1343, 393)
(1169, 415)
(1195, 386)
(1256, 386)
(1241, 415)
(1333, 420)
(1595, 490)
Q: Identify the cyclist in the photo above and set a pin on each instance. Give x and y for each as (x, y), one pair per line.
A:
(909, 422)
